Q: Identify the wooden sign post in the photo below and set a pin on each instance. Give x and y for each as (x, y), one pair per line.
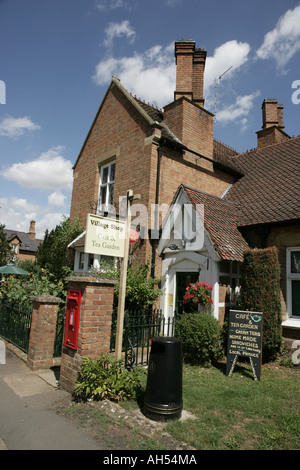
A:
(123, 275)
(244, 339)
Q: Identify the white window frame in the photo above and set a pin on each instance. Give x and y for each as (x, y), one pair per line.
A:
(289, 278)
(83, 262)
(105, 206)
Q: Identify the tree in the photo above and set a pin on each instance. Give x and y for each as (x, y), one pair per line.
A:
(6, 252)
(53, 253)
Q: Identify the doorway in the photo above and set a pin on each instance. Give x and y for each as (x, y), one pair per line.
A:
(183, 279)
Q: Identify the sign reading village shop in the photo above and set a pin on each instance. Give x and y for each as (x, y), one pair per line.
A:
(244, 339)
(105, 236)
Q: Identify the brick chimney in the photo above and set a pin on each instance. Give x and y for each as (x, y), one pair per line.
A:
(190, 64)
(31, 232)
(185, 116)
(272, 128)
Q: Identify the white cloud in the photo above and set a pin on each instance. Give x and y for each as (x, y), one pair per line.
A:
(150, 75)
(230, 54)
(49, 171)
(15, 127)
(49, 221)
(22, 205)
(283, 42)
(16, 214)
(56, 199)
(106, 5)
(238, 111)
(117, 30)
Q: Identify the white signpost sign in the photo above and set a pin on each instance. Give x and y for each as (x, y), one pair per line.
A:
(105, 236)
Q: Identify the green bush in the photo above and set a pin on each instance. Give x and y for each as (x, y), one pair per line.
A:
(105, 378)
(260, 292)
(200, 334)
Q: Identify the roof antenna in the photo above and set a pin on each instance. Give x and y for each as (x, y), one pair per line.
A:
(217, 80)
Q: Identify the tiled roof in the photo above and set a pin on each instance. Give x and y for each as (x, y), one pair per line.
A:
(26, 243)
(269, 190)
(220, 222)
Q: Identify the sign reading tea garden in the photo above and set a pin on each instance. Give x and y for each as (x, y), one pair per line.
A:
(244, 339)
(105, 236)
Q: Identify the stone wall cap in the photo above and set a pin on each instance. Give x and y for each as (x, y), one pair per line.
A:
(46, 299)
(91, 280)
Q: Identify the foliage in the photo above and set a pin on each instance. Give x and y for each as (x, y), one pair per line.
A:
(198, 293)
(260, 292)
(200, 334)
(53, 253)
(105, 378)
(6, 253)
(29, 265)
(20, 290)
(141, 288)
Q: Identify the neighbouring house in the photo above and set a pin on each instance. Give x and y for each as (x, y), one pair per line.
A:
(24, 244)
(170, 158)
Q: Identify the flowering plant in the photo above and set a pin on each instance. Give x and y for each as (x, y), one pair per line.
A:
(198, 293)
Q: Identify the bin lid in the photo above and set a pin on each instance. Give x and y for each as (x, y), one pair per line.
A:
(165, 339)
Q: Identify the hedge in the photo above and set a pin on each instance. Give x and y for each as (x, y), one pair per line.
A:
(260, 292)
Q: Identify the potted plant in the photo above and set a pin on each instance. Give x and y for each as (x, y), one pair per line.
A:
(197, 297)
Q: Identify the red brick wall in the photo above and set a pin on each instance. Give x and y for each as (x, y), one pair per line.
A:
(94, 326)
(42, 332)
(118, 133)
(192, 125)
(270, 136)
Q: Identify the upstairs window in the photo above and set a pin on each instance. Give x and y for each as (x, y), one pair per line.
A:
(106, 189)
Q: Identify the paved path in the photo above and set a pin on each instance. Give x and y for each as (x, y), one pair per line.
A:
(26, 420)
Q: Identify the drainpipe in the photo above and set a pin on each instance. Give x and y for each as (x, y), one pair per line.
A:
(155, 232)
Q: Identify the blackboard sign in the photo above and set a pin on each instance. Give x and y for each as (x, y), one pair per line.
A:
(244, 339)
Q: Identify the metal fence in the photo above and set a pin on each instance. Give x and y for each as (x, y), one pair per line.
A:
(15, 323)
(139, 328)
(57, 350)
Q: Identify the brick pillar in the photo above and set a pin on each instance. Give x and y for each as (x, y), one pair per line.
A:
(42, 332)
(95, 320)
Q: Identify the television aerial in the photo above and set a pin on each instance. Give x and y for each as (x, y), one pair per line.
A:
(217, 80)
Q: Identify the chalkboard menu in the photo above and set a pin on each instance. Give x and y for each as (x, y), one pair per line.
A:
(244, 339)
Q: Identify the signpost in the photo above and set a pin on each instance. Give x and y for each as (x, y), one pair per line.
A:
(123, 278)
(111, 237)
(244, 339)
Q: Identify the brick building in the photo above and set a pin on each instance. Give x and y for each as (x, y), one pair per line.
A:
(24, 244)
(132, 145)
(170, 156)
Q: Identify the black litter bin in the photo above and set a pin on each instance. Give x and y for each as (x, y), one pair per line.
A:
(163, 398)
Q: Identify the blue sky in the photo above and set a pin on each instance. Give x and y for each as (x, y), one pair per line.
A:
(56, 62)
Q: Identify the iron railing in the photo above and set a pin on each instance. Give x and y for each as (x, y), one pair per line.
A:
(139, 328)
(57, 350)
(15, 323)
